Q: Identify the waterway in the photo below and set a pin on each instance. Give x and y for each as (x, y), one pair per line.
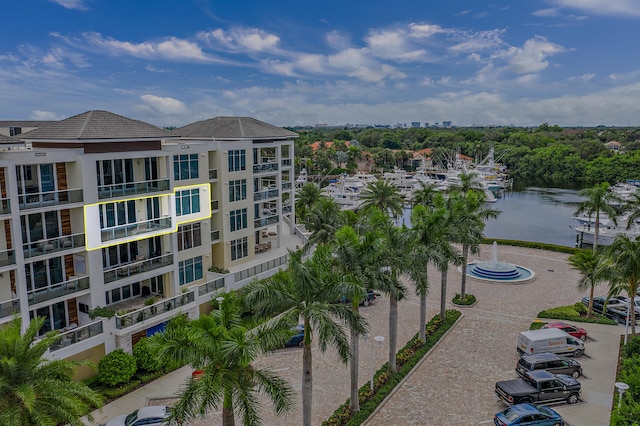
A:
(533, 214)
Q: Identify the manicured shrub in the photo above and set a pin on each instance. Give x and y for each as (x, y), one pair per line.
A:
(145, 359)
(117, 367)
(632, 348)
(469, 299)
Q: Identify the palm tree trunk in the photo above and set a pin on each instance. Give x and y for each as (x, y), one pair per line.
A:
(590, 310)
(422, 335)
(463, 284)
(596, 232)
(227, 409)
(393, 332)
(443, 292)
(355, 401)
(632, 315)
(307, 384)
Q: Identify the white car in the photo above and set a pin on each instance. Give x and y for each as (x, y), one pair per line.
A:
(149, 416)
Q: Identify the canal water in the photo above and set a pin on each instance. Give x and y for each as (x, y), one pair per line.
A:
(533, 214)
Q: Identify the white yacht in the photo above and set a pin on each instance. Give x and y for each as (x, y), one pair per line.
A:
(345, 192)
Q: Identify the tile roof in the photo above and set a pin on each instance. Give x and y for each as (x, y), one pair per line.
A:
(234, 128)
(4, 139)
(93, 125)
(24, 123)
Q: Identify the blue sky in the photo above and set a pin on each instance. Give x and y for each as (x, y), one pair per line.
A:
(170, 62)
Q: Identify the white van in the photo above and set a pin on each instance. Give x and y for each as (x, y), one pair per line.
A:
(549, 340)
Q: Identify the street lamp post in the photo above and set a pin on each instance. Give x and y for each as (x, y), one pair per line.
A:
(377, 341)
(626, 328)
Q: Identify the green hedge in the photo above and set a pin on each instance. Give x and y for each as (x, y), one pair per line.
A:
(533, 245)
(469, 299)
(573, 313)
(384, 383)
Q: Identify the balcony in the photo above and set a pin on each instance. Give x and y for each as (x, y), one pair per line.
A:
(266, 221)
(215, 205)
(286, 186)
(9, 308)
(286, 162)
(210, 286)
(286, 209)
(7, 257)
(137, 267)
(52, 245)
(266, 167)
(135, 229)
(263, 195)
(58, 290)
(159, 308)
(76, 334)
(215, 235)
(132, 188)
(5, 206)
(46, 199)
(213, 174)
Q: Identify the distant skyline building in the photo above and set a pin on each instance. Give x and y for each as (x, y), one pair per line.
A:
(415, 124)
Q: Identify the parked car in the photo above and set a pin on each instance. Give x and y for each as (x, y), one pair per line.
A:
(573, 330)
(366, 300)
(298, 338)
(550, 362)
(154, 415)
(528, 414)
(539, 387)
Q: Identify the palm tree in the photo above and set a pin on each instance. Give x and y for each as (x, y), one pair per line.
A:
(450, 232)
(598, 200)
(633, 204)
(397, 248)
(383, 195)
(623, 270)
(306, 198)
(468, 182)
(34, 390)
(225, 350)
(307, 291)
(589, 263)
(323, 219)
(428, 232)
(470, 219)
(357, 259)
(424, 195)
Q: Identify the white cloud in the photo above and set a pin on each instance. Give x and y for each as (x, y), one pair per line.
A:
(167, 106)
(546, 13)
(71, 4)
(532, 56)
(172, 48)
(393, 45)
(242, 40)
(478, 41)
(583, 78)
(45, 116)
(57, 57)
(603, 7)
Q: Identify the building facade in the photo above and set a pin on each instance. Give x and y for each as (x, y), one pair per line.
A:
(102, 211)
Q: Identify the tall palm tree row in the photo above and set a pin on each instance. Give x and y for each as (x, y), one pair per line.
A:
(224, 349)
(34, 390)
(307, 291)
(590, 265)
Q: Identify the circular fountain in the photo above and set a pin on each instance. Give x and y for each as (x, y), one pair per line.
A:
(496, 271)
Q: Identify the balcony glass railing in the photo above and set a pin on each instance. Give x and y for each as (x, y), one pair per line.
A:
(262, 267)
(286, 209)
(286, 162)
(215, 235)
(7, 257)
(46, 199)
(58, 290)
(159, 308)
(213, 174)
(134, 268)
(9, 308)
(51, 245)
(210, 286)
(263, 195)
(5, 206)
(286, 186)
(263, 168)
(132, 188)
(215, 205)
(76, 335)
(265, 221)
(137, 228)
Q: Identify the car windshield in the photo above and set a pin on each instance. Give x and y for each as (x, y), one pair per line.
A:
(545, 410)
(131, 418)
(511, 414)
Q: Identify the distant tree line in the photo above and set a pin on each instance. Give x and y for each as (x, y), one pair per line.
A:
(545, 155)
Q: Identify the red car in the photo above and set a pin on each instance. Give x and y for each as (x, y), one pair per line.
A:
(573, 330)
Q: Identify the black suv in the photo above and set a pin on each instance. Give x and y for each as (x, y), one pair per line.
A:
(547, 361)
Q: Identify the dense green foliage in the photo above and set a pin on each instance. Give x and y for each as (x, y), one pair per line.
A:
(145, 360)
(117, 367)
(545, 155)
(574, 313)
(628, 414)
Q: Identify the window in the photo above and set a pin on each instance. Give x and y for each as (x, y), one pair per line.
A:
(189, 236)
(15, 131)
(237, 190)
(39, 226)
(55, 317)
(44, 273)
(114, 172)
(185, 167)
(239, 248)
(237, 160)
(238, 219)
(190, 270)
(120, 213)
(120, 254)
(34, 179)
(187, 202)
(122, 293)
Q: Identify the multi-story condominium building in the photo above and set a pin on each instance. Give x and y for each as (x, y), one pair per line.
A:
(99, 210)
